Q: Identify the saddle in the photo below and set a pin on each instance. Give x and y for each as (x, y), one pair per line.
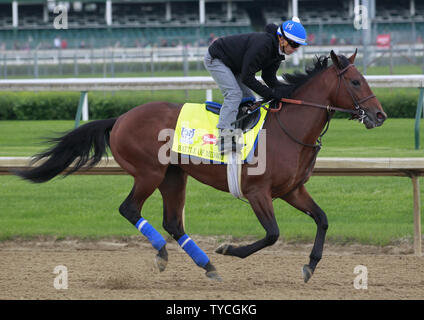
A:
(247, 116)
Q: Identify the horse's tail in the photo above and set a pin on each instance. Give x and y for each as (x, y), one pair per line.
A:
(85, 144)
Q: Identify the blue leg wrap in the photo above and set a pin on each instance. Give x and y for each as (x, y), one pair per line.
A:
(189, 246)
(150, 233)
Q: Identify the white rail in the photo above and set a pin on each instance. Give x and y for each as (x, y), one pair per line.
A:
(170, 83)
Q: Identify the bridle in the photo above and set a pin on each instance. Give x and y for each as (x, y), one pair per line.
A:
(357, 113)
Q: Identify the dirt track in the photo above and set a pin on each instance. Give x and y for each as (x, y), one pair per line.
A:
(112, 269)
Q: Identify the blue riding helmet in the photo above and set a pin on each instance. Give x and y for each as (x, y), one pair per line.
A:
(293, 30)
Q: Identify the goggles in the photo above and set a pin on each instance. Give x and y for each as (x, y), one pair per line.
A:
(292, 44)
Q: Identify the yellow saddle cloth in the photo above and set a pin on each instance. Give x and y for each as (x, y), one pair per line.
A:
(196, 134)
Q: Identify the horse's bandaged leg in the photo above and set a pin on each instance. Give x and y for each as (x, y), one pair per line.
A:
(150, 233)
(189, 246)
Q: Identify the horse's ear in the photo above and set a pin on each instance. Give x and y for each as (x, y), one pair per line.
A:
(353, 56)
(335, 59)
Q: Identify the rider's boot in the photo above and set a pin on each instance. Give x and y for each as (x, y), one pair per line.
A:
(230, 140)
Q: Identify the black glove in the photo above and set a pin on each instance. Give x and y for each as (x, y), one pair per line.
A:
(280, 92)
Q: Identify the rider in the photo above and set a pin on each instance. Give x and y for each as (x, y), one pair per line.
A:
(233, 62)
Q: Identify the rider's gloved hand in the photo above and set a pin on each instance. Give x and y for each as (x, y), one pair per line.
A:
(280, 92)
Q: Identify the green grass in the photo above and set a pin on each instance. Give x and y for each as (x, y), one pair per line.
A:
(370, 210)
(397, 69)
(344, 138)
(351, 139)
(374, 210)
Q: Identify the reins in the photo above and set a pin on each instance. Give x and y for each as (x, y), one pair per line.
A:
(310, 104)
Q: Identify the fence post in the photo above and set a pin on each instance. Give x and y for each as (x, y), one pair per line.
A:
(36, 63)
(418, 117)
(391, 59)
(75, 65)
(82, 109)
(60, 61)
(112, 63)
(92, 60)
(208, 94)
(417, 215)
(85, 107)
(185, 61)
(152, 64)
(185, 67)
(5, 66)
(104, 63)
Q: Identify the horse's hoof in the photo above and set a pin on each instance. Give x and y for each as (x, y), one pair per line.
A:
(160, 263)
(307, 273)
(222, 249)
(213, 275)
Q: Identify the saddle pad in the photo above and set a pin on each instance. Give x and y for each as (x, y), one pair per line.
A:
(196, 134)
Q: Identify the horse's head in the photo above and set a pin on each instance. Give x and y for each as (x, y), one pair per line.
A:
(353, 92)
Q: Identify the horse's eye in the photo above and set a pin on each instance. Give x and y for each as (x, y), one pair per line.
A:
(356, 83)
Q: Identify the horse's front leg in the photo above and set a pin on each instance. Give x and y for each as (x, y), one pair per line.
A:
(300, 199)
(262, 206)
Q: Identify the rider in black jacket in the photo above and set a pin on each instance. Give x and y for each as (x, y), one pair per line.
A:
(234, 60)
(246, 54)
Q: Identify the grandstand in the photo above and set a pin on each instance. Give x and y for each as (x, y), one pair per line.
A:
(133, 23)
(28, 24)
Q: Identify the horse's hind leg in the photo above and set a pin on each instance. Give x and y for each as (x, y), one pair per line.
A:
(173, 189)
(300, 199)
(131, 210)
(262, 206)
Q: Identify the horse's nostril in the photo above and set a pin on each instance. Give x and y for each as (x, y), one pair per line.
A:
(380, 116)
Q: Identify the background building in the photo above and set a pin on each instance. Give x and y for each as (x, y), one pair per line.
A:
(86, 33)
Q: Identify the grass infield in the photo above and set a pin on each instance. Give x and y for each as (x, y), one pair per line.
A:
(369, 210)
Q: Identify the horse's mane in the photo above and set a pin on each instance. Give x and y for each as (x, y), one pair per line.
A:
(297, 79)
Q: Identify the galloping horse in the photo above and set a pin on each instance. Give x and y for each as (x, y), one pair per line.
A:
(291, 149)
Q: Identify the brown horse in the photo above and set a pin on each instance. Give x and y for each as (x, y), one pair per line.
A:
(291, 150)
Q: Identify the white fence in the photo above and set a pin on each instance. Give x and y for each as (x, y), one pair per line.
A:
(180, 54)
(170, 83)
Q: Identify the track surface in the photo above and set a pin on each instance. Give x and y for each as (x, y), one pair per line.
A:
(118, 269)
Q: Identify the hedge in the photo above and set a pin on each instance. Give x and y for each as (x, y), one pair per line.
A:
(63, 105)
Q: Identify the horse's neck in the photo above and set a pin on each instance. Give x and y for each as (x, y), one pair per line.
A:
(310, 121)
